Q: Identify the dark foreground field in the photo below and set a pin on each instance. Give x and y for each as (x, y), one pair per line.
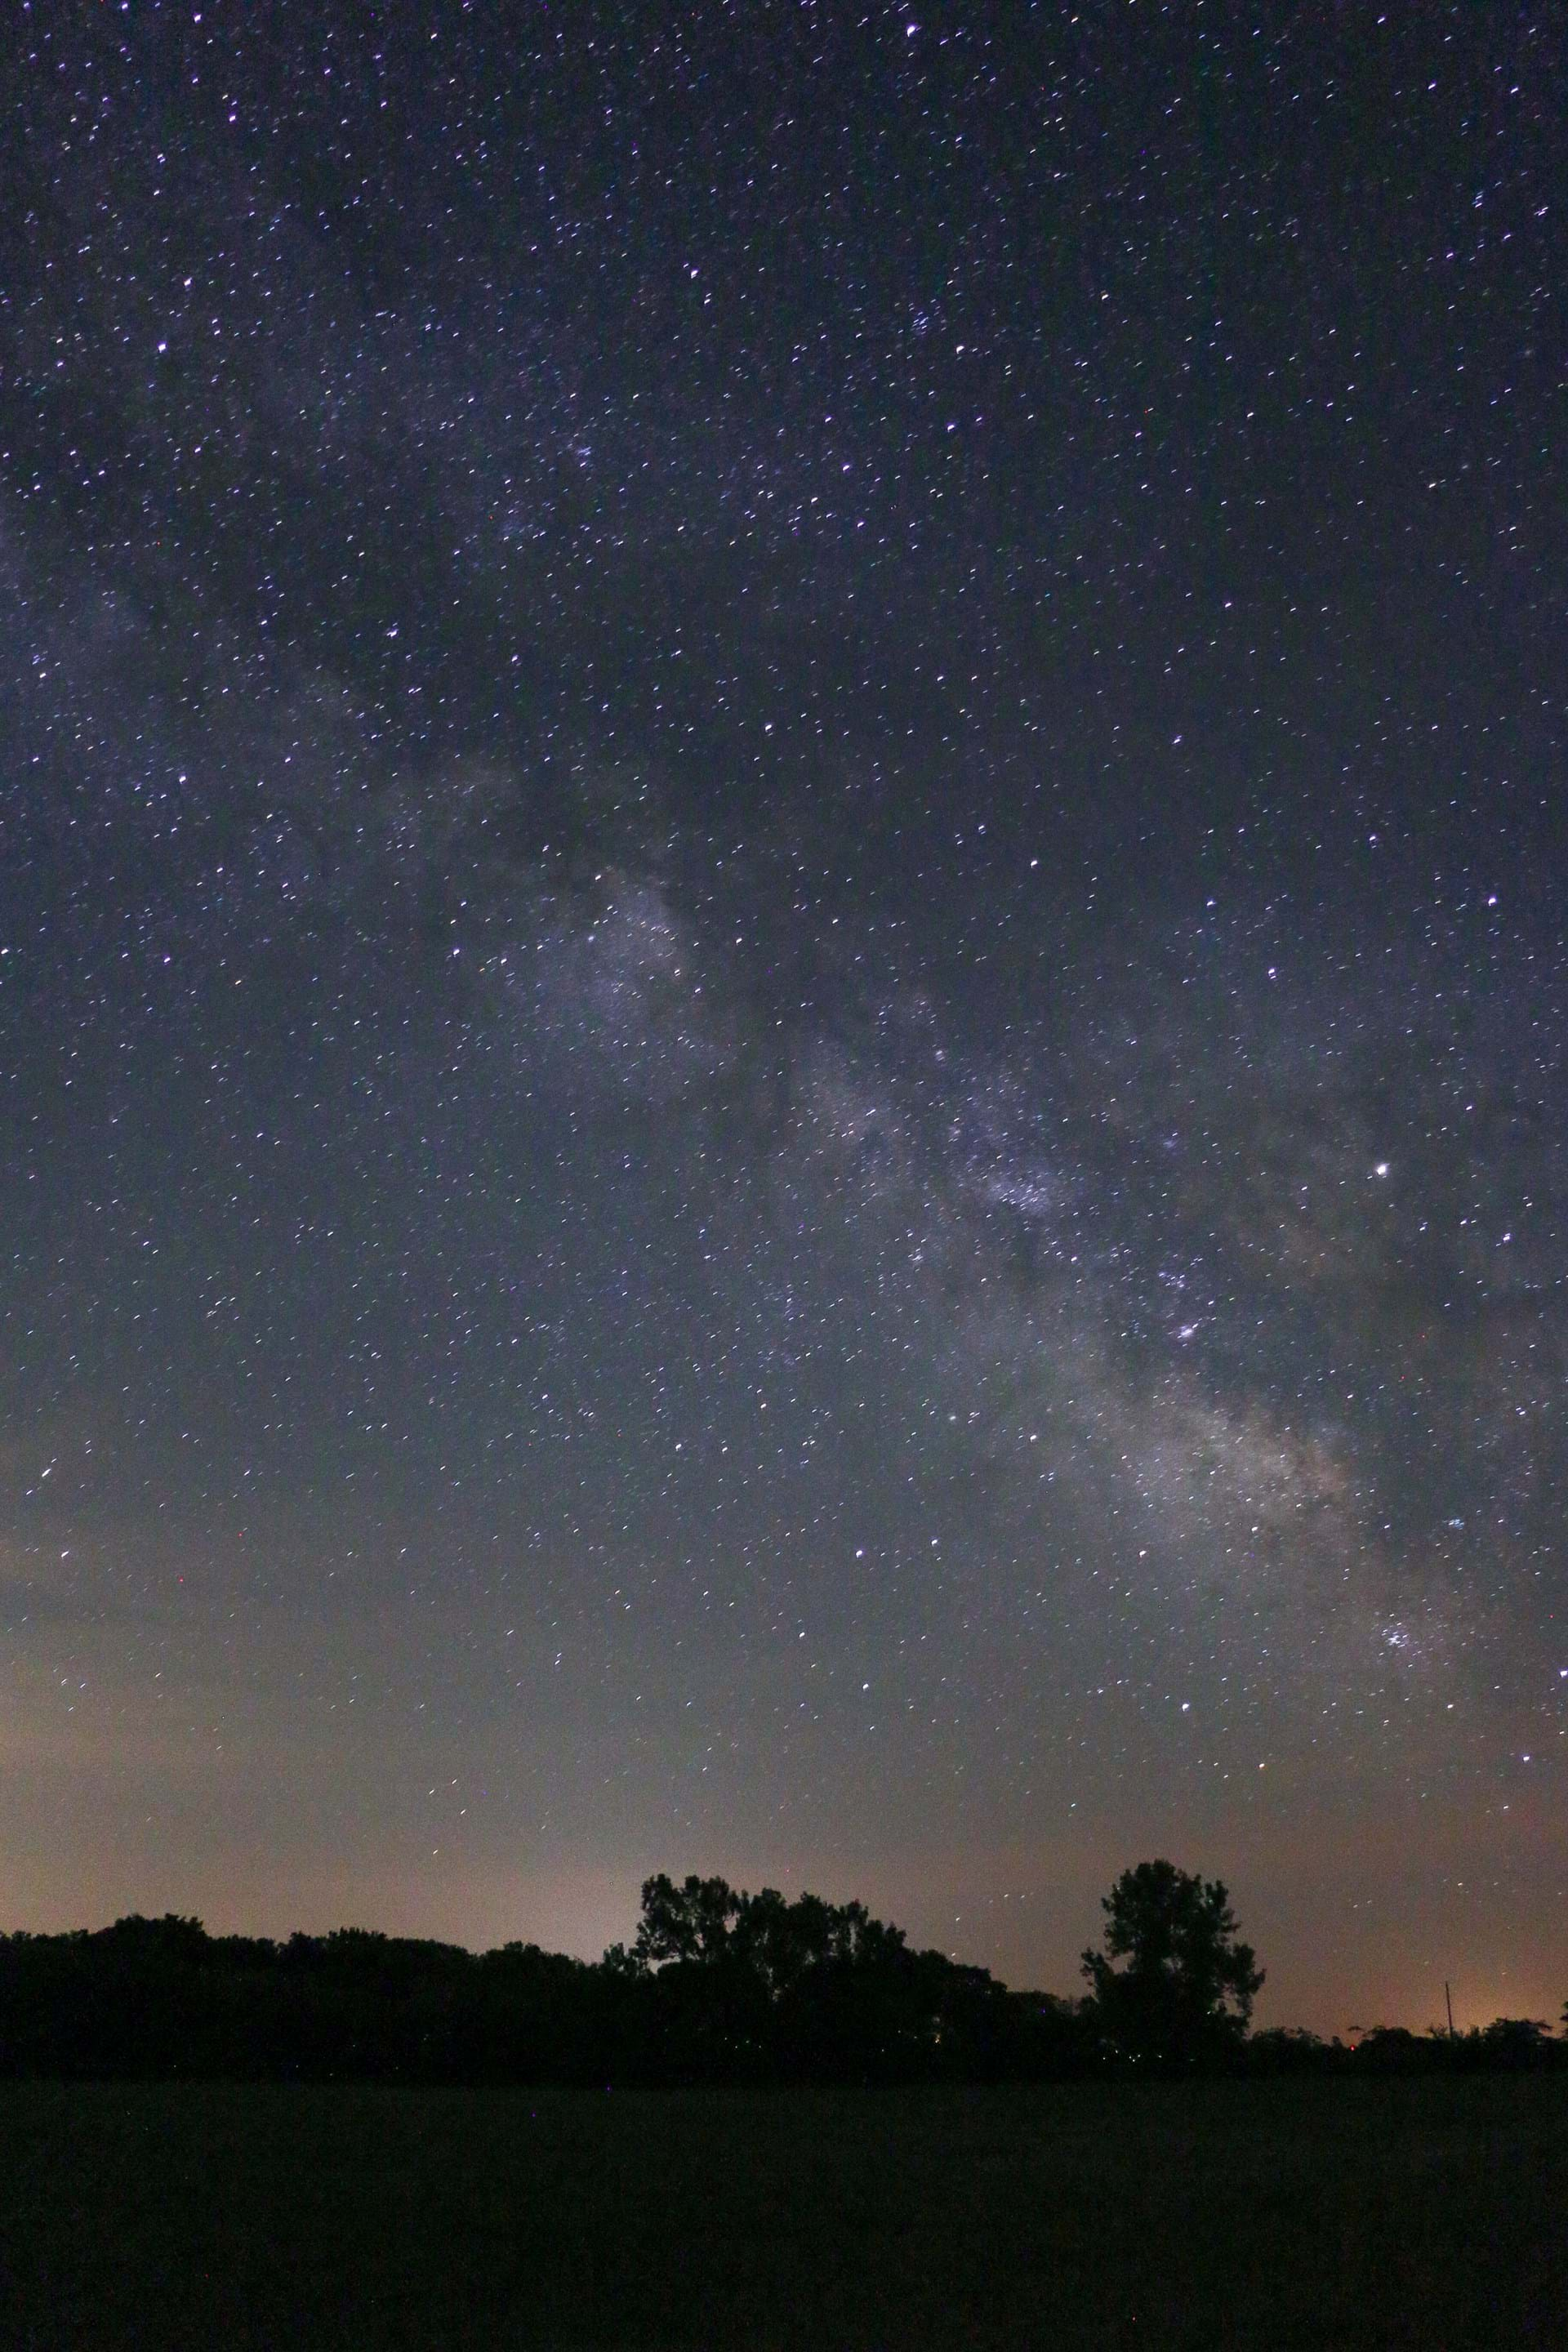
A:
(1423, 2213)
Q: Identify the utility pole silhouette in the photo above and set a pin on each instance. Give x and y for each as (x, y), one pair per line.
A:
(1449, 2000)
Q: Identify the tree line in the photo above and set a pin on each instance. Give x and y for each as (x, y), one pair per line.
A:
(718, 1986)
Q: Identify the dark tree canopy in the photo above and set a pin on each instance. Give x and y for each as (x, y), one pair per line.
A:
(755, 1986)
(720, 1986)
(688, 1922)
(774, 1941)
(1185, 1993)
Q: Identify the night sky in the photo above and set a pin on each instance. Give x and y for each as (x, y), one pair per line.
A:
(783, 981)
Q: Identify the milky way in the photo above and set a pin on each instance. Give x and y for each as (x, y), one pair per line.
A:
(781, 978)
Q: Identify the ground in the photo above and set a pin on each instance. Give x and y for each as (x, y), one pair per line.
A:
(1258, 2215)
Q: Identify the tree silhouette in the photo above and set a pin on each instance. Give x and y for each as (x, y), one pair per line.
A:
(737, 1987)
(1185, 1995)
(1514, 2043)
(688, 1922)
(721, 1987)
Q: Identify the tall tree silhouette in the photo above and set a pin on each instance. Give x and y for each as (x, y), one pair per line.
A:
(1184, 1996)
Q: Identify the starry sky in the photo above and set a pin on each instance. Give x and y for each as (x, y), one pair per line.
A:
(781, 972)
